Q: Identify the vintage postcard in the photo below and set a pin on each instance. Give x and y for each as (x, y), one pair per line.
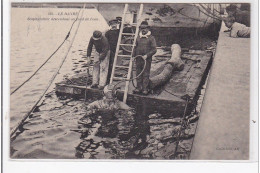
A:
(139, 81)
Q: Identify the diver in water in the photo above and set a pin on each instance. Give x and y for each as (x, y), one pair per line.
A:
(109, 102)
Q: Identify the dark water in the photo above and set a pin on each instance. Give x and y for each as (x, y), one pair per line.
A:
(64, 132)
(61, 129)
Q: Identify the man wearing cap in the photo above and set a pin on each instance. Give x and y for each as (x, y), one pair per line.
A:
(119, 21)
(144, 50)
(101, 59)
(112, 37)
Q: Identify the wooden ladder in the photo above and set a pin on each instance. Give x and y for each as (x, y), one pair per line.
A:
(130, 56)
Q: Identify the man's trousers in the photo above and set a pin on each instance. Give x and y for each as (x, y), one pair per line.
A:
(143, 80)
(100, 69)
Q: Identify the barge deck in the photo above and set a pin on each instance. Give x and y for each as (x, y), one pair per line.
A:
(169, 98)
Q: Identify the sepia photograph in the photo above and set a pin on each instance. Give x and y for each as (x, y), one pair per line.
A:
(130, 81)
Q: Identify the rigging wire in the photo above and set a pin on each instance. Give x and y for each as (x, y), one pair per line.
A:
(183, 124)
(67, 36)
(214, 9)
(197, 19)
(209, 11)
(52, 79)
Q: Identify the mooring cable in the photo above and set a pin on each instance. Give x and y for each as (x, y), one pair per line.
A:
(214, 16)
(52, 79)
(208, 9)
(67, 36)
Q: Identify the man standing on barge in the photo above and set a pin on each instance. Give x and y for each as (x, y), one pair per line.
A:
(112, 37)
(144, 50)
(101, 59)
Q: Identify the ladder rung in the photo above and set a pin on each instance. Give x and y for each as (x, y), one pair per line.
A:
(119, 78)
(118, 66)
(126, 45)
(128, 34)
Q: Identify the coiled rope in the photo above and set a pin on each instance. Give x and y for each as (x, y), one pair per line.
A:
(52, 79)
(114, 88)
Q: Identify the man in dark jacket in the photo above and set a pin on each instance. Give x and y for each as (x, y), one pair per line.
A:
(144, 50)
(112, 37)
(101, 59)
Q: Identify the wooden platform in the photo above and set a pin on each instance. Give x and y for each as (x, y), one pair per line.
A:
(167, 99)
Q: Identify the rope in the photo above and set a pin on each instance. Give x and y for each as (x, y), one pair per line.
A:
(183, 124)
(183, 121)
(67, 36)
(86, 84)
(204, 21)
(52, 79)
(214, 9)
(114, 88)
(214, 16)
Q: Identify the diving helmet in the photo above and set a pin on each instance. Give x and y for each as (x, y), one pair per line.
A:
(108, 91)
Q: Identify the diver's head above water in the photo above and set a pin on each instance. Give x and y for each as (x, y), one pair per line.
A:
(108, 92)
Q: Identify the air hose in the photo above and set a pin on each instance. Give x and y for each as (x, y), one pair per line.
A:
(114, 87)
